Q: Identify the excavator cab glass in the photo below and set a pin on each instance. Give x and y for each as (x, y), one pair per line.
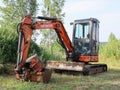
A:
(85, 37)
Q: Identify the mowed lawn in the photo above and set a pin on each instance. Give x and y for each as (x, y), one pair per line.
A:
(109, 80)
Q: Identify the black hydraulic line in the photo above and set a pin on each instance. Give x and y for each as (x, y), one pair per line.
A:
(18, 27)
(45, 18)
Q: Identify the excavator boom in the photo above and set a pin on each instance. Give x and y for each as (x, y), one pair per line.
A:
(26, 30)
(31, 69)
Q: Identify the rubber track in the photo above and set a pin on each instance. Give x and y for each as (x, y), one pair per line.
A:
(91, 69)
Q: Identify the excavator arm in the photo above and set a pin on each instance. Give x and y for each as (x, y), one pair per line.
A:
(51, 23)
(25, 32)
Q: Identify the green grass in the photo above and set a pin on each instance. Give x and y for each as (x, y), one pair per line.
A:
(109, 80)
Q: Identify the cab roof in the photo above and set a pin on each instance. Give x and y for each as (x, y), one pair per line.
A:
(87, 20)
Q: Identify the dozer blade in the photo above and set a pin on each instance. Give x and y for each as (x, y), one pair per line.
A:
(68, 66)
(86, 69)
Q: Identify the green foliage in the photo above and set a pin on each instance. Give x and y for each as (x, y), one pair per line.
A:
(34, 48)
(19, 8)
(14, 10)
(8, 45)
(10, 15)
(57, 53)
(53, 8)
(111, 49)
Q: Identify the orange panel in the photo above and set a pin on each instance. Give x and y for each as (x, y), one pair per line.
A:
(84, 58)
(88, 58)
(94, 58)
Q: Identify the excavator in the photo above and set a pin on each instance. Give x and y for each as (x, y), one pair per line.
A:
(79, 53)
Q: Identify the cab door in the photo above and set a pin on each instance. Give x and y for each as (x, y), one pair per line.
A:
(94, 44)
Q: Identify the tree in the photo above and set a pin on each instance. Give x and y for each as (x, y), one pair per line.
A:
(14, 10)
(51, 8)
(11, 14)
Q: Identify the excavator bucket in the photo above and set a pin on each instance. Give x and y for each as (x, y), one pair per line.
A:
(34, 71)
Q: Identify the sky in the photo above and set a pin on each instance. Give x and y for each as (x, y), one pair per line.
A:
(106, 11)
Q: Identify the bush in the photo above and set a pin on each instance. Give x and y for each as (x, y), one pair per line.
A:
(111, 49)
(55, 52)
(9, 45)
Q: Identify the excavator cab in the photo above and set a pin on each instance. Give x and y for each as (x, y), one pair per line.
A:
(86, 40)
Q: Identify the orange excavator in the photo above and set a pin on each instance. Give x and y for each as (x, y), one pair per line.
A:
(79, 53)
